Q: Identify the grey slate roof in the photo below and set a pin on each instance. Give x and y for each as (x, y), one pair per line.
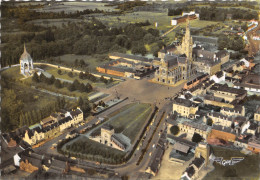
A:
(181, 147)
(184, 102)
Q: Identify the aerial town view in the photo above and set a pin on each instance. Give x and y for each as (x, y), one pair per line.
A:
(130, 90)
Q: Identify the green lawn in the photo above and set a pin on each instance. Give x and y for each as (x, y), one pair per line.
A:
(31, 98)
(130, 118)
(246, 169)
(64, 75)
(92, 61)
(13, 72)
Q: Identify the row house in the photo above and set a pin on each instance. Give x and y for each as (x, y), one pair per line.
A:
(193, 169)
(76, 115)
(216, 101)
(33, 136)
(51, 130)
(220, 119)
(229, 94)
(185, 107)
(218, 77)
(236, 111)
(65, 123)
(190, 128)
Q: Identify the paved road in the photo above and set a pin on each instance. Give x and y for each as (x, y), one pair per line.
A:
(45, 148)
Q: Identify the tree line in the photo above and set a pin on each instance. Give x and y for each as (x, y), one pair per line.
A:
(35, 116)
(84, 38)
(27, 13)
(233, 42)
(213, 13)
(87, 149)
(76, 85)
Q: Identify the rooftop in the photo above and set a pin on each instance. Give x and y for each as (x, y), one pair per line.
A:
(184, 102)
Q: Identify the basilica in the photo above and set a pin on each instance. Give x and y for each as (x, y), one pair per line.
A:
(176, 63)
(187, 61)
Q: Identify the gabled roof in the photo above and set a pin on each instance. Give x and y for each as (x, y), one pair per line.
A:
(181, 147)
(75, 112)
(184, 102)
(172, 60)
(190, 171)
(107, 127)
(198, 162)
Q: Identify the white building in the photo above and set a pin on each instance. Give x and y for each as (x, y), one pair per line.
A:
(218, 77)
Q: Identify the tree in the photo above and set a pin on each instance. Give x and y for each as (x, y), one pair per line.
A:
(76, 84)
(22, 120)
(80, 101)
(76, 62)
(196, 138)
(43, 78)
(102, 78)
(59, 72)
(209, 122)
(174, 130)
(35, 78)
(11, 108)
(81, 75)
(82, 63)
(70, 74)
(71, 87)
(51, 80)
(57, 84)
(111, 80)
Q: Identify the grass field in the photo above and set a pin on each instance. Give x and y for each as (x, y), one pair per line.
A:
(92, 61)
(31, 98)
(246, 169)
(162, 18)
(130, 118)
(65, 77)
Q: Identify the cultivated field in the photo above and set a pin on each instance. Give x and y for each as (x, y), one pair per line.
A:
(130, 118)
(71, 7)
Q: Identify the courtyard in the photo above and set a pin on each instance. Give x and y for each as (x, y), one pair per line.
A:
(143, 90)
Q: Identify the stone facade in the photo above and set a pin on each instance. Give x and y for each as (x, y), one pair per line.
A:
(26, 63)
(176, 67)
(184, 107)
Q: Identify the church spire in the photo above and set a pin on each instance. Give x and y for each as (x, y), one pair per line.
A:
(24, 48)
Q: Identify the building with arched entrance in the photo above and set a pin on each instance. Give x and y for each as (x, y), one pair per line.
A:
(26, 63)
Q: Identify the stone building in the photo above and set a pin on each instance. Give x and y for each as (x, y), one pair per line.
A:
(108, 137)
(26, 63)
(177, 66)
(182, 62)
(238, 110)
(190, 128)
(185, 107)
(220, 119)
(257, 114)
(201, 160)
(229, 94)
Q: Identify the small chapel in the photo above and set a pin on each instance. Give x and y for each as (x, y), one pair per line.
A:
(26, 63)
